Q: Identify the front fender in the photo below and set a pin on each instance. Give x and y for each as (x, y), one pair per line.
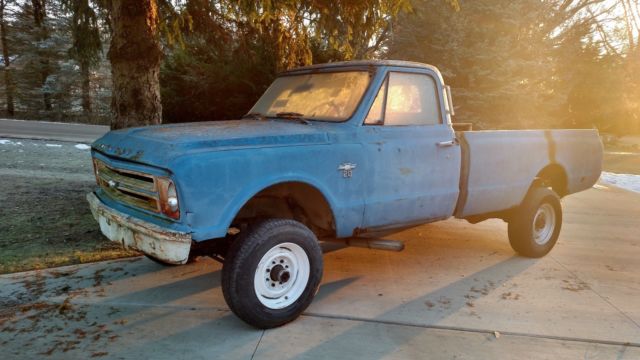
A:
(241, 199)
(217, 186)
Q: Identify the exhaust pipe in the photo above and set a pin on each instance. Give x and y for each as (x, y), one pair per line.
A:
(370, 243)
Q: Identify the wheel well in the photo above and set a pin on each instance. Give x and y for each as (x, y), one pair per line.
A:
(290, 200)
(555, 177)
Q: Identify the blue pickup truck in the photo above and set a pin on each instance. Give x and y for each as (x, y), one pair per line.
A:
(346, 150)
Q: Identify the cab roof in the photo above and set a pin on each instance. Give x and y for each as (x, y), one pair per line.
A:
(365, 63)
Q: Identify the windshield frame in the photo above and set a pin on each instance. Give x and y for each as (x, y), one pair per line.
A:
(371, 70)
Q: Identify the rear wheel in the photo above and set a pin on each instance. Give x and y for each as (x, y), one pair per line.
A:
(535, 228)
(271, 274)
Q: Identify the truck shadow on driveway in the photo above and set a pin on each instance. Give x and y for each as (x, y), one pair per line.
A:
(134, 308)
(160, 306)
(426, 311)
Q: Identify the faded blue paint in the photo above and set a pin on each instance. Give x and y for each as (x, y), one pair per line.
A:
(411, 179)
(503, 163)
(401, 177)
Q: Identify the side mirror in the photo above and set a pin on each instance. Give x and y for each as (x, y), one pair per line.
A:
(450, 100)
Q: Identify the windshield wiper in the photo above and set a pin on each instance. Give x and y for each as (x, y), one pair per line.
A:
(255, 115)
(290, 115)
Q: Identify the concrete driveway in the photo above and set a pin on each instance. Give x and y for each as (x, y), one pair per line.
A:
(456, 292)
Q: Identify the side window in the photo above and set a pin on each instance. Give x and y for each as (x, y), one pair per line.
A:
(412, 99)
(406, 99)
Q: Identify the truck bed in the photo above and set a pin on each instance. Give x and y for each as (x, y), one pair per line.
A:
(498, 166)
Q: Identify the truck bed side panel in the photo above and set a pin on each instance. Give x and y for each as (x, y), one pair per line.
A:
(580, 154)
(500, 166)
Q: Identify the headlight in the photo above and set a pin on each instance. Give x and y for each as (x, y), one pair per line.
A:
(172, 198)
(168, 198)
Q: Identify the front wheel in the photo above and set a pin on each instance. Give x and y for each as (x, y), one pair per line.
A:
(535, 228)
(271, 274)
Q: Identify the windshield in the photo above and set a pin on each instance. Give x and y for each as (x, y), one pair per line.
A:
(320, 96)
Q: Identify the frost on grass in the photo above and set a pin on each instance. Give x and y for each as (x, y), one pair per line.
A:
(82, 147)
(625, 181)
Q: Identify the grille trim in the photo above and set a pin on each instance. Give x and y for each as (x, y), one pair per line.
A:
(130, 187)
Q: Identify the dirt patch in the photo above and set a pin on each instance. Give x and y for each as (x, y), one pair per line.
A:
(575, 285)
(510, 296)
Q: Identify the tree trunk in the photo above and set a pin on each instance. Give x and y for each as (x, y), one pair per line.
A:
(39, 14)
(86, 87)
(8, 83)
(135, 56)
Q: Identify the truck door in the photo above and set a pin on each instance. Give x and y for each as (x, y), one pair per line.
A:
(411, 150)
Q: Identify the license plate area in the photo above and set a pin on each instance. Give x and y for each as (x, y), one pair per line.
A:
(116, 232)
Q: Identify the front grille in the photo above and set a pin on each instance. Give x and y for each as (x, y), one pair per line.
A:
(131, 187)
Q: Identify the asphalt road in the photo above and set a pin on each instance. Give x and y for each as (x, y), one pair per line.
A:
(457, 291)
(51, 131)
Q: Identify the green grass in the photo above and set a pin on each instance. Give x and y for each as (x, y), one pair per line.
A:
(46, 222)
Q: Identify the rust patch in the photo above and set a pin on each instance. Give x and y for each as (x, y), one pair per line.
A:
(137, 155)
(405, 171)
(551, 146)
(162, 243)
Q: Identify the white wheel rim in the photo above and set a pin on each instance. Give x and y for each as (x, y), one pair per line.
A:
(282, 275)
(544, 223)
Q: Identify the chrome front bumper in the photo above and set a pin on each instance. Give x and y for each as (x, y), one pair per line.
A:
(166, 245)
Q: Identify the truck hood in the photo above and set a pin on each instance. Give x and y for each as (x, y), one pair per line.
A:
(159, 145)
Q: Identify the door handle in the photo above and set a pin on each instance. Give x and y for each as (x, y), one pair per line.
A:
(447, 143)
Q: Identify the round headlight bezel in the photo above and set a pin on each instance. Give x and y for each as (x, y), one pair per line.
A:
(169, 202)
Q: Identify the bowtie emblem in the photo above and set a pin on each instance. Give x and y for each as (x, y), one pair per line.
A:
(347, 169)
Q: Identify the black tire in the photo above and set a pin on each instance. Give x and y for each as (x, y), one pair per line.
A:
(533, 230)
(250, 251)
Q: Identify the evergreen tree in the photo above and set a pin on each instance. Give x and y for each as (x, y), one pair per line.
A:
(87, 44)
(237, 47)
(6, 58)
(492, 53)
(135, 55)
(530, 64)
